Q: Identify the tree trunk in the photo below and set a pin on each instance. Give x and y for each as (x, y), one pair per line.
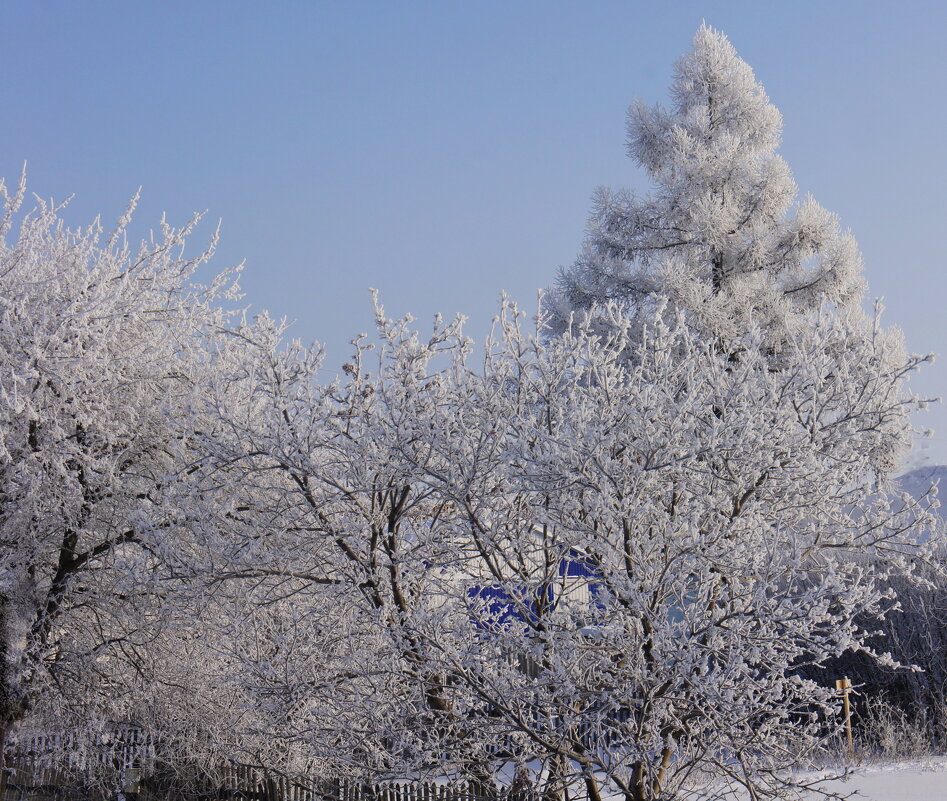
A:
(591, 787)
(481, 781)
(3, 760)
(6, 695)
(638, 783)
(555, 782)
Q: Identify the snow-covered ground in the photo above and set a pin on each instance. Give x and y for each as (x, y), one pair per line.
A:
(899, 781)
(902, 781)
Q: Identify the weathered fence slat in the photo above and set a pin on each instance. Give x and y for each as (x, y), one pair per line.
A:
(33, 776)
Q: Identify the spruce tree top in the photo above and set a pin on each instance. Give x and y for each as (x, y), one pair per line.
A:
(722, 236)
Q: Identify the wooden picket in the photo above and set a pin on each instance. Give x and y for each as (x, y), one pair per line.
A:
(33, 778)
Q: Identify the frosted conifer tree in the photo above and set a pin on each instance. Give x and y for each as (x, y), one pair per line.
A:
(722, 237)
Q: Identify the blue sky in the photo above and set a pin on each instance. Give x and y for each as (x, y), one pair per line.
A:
(444, 152)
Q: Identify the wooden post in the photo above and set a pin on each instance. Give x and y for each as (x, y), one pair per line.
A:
(843, 687)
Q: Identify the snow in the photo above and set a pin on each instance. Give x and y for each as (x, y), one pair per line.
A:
(901, 781)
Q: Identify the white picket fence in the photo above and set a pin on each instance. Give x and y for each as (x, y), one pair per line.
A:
(61, 767)
(54, 766)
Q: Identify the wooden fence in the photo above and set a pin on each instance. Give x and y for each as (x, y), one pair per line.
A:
(58, 768)
(31, 781)
(286, 789)
(120, 764)
(26, 781)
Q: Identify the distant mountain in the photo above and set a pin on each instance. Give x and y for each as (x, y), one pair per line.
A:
(918, 481)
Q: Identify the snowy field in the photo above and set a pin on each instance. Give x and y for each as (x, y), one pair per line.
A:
(924, 780)
(899, 781)
(902, 781)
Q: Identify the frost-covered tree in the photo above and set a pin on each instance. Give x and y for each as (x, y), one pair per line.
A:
(332, 549)
(721, 237)
(607, 570)
(102, 349)
(610, 571)
(722, 516)
(722, 251)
